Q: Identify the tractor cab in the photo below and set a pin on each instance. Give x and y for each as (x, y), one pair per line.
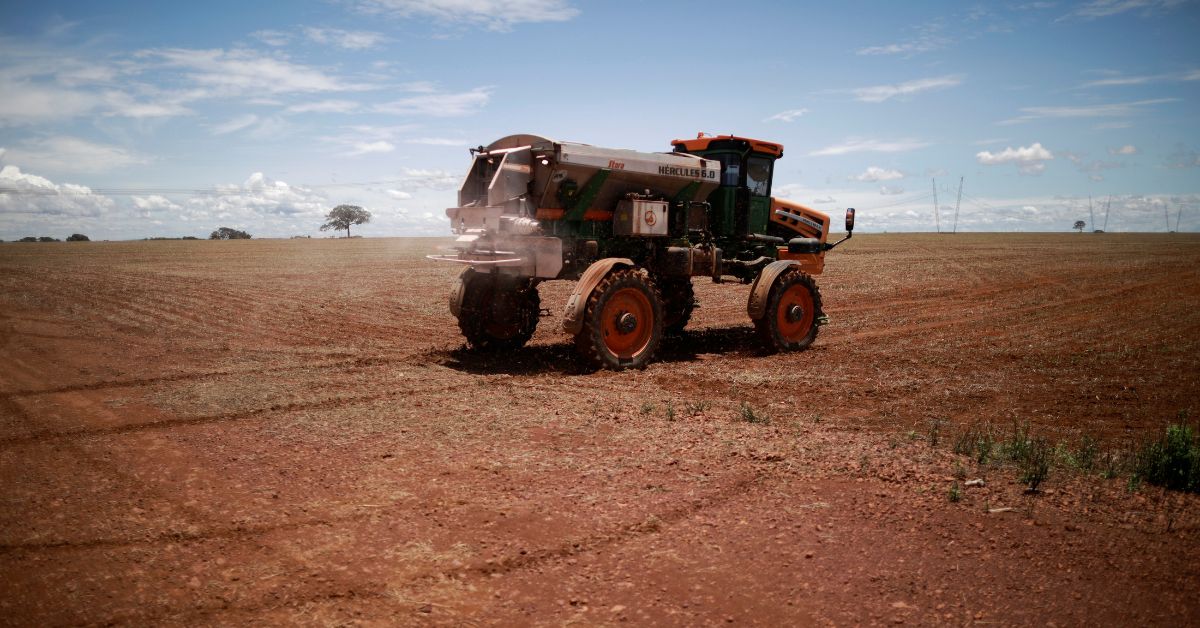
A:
(742, 204)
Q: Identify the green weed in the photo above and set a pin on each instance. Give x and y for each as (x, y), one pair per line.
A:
(749, 415)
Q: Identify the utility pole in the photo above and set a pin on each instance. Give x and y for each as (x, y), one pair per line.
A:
(1107, 206)
(1178, 214)
(937, 219)
(1091, 216)
(957, 203)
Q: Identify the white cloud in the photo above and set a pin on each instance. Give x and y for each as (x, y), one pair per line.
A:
(236, 124)
(154, 203)
(28, 195)
(929, 37)
(858, 145)
(439, 104)
(1028, 159)
(1107, 8)
(1128, 149)
(272, 37)
(438, 141)
(1183, 157)
(1112, 110)
(881, 93)
(123, 105)
(71, 154)
(399, 194)
(26, 102)
(1122, 81)
(257, 198)
(433, 179)
(787, 116)
(498, 15)
(325, 106)
(243, 72)
(349, 40)
(366, 148)
(875, 173)
(888, 190)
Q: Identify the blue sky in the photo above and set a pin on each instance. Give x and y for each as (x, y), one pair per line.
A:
(135, 119)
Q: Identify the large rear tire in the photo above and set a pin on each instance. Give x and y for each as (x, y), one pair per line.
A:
(622, 322)
(498, 312)
(791, 321)
(679, 300)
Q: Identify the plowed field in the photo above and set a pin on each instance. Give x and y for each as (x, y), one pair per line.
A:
(291, 432)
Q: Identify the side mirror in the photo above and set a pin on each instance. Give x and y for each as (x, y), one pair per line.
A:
(849, 220)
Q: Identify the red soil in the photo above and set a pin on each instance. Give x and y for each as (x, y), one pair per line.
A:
(290, 432)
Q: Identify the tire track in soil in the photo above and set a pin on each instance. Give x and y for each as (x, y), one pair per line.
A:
(177, 537)
(227, 417)
(1013, 329)
(614, 536)
(183, 377)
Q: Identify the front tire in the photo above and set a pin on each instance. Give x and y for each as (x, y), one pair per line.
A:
(793, 312)
(498, 313)
(622, 322)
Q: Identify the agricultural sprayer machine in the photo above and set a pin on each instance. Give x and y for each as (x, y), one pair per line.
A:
(633, 228)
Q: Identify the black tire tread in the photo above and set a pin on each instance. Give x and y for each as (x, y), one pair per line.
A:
(766, 327)
(472, 319)
(588, 340)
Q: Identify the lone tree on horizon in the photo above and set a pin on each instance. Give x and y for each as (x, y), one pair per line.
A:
(1079, 225)
(342, 216)
(228, 233)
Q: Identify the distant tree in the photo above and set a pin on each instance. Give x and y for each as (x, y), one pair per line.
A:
(190, 238)
(28, 239)
(226, 233)
(342, 216)
(48, 239)
(1079, 225)
(78, 237)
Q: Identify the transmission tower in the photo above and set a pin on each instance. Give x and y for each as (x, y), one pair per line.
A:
(1091, 216)
(1107, 206)
(937, 219)
(957, 203)
(1178, 214)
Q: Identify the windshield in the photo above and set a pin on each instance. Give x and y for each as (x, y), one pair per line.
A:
(758, 175)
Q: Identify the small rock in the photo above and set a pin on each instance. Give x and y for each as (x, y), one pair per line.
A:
(617, 609)
(425, 608)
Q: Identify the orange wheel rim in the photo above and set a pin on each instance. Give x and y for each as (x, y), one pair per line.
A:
(627, 322)
(795, 314)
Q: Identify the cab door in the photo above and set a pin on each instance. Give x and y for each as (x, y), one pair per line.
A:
(758, 193)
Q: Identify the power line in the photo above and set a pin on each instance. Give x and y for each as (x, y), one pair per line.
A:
(131, 191)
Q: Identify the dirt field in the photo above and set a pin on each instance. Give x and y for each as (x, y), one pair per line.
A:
(277, 432)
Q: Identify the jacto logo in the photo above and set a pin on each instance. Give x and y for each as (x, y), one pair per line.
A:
(650, 218)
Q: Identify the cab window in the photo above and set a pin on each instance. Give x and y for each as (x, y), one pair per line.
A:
(731, 169)
(758, 176)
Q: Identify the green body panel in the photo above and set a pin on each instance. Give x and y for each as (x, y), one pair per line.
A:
(760, 214)
(578, 204)
(688, 193)
(722, 218)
